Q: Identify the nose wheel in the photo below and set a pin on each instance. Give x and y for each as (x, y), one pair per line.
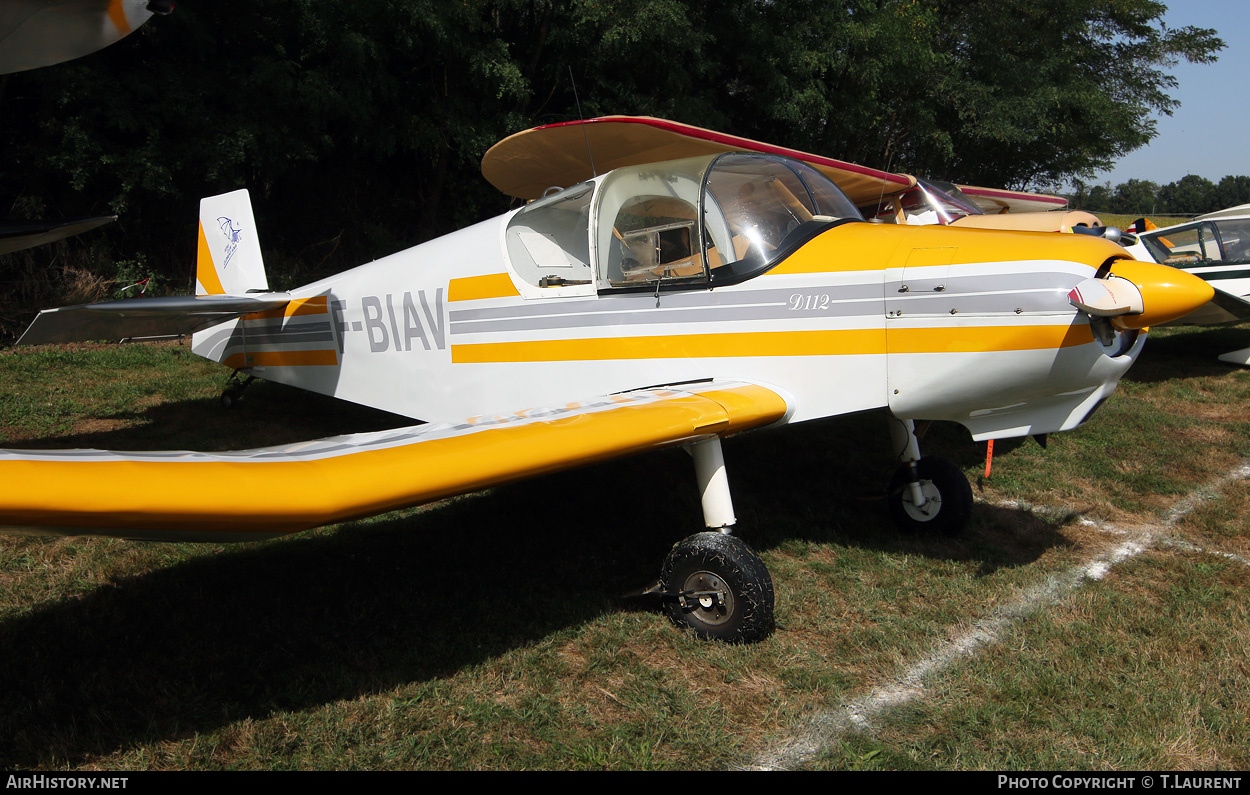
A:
(931, 495)
(926, 494)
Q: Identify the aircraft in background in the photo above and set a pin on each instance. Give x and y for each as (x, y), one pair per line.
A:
(666, 298)
(28, 234)
(944, 203)
(1215, 247)
(36, 33)
(999, 201)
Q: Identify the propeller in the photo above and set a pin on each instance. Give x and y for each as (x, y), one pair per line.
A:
(1130, 296)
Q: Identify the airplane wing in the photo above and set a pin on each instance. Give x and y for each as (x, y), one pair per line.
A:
(242, 496)
(36, 33)
(528, 163)
(1240, 209)
(15, 237)
(1234, 305)
(1056, 221)
(1223, 308)
(998, 200)
(143, 317)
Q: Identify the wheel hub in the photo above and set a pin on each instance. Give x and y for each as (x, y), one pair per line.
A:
(707, 597)
(929, 508)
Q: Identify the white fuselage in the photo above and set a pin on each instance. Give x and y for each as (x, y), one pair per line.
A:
(924, 321)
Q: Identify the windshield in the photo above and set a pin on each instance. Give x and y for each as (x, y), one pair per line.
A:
(1207, 241)
(949, 194)
(759, 208)
(709, 220)
(928, 203)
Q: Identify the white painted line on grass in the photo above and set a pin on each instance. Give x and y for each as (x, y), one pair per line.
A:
(824, 729)
(1188, 547)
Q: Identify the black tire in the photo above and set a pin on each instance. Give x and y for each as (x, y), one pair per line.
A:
(944, 484)
(230, 399)
(725, 564)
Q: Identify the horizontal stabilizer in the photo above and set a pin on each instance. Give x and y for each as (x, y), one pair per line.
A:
(143, 317)
(269, 491)
(15, 237)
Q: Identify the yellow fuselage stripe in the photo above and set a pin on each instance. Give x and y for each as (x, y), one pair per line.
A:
(779, 343)
(987, 339)
(868, 247)
(299, 306)
(320, 358)
(472, 288)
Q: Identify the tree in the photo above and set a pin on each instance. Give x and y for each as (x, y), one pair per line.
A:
(1190, 195)
(1137, 196)
(1034, 93)
(359, 127)
(1233, 191)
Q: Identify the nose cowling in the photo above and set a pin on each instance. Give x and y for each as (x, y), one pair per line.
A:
(1167, 293)
(1140, 294)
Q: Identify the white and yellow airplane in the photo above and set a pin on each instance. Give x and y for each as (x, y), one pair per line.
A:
(680, 296)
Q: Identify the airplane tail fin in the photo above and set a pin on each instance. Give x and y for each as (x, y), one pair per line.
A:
(228, 260)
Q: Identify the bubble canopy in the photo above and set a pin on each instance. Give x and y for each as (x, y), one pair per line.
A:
(702, 221)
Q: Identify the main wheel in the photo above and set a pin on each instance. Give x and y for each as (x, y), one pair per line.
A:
(948, 498)
(722, 589)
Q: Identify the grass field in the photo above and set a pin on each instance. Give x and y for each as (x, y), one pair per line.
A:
(1093, 616)
(1123, 221)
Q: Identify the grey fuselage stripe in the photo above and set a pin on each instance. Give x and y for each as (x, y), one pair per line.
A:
(999, 294)
(970, 294)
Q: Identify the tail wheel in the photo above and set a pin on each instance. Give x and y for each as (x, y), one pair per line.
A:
(947, 503)
(718, 588)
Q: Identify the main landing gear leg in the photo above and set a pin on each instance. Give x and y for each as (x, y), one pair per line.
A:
(233, 392)
(711, 582)
(930, 493)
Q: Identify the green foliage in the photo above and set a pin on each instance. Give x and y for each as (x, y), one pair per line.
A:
(359, 127)
(999, 93)
(1188, 196)
(1190, 191)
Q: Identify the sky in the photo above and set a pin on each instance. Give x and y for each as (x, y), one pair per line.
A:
(1207, 135)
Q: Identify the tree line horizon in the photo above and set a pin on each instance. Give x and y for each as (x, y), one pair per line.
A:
(1188, 196)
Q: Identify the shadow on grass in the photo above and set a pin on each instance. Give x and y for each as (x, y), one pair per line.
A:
(1187, 352)
(269, 414)
(243, 632)
(826, 482)
(303, 621)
